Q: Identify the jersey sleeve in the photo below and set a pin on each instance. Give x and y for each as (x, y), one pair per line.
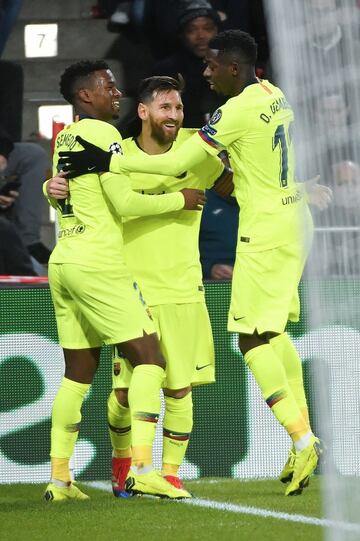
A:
(126, 202)
(221, 130)
(208, 171)
(189, 154)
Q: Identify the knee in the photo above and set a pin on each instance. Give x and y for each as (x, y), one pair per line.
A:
(122, 397)
(251, 341)
(177, 393)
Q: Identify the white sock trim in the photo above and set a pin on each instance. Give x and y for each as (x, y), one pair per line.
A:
(303, 441)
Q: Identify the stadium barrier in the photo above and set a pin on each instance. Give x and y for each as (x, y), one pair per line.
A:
(234, 434)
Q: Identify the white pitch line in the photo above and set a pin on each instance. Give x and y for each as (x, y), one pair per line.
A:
(255, 511)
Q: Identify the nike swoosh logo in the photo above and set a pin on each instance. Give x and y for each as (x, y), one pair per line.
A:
(201, 367)
(91, 168)
(237, 318)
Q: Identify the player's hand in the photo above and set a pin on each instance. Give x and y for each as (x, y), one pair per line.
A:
(91, 160)
(194, 199)
(224, 186)
(318, 195)
(220, 271)
(58, 187)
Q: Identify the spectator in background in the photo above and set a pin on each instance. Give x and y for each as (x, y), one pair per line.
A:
(335, 131)
(9, 11)
(218, 236)
(341, 255)
(346, 188)
(330, 43)
(30, 164)
(11, 74)
(198, 22)
(14, 258)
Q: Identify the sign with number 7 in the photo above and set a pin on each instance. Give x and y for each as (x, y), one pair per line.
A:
(41, 40)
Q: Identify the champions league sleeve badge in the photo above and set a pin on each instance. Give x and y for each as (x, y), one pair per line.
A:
(216, 117)
(115, 148)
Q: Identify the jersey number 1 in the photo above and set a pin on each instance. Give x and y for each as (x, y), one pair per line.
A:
(280, 139)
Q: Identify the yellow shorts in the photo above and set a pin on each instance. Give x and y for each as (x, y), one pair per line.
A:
(95, 307)
(264, 292)
(186, 342)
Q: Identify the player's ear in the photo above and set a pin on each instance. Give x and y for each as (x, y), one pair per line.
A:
(143, 111)
(84, 95)
(234, 69)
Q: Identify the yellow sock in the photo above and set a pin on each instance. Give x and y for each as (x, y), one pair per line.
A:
(119, 421)
(285, 350)
(144, 402)
(170, 469)
(65, 417)
(178, 421)
(60, 469)
(271, 378)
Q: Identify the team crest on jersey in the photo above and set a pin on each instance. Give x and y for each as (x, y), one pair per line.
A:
(117, 368)
(216, 117)
(115, 148)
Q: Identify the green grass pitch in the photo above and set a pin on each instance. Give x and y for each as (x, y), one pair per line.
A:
(25, 516)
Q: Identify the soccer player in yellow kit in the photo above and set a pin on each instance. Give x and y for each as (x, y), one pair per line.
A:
(96, 299)
(163, 254)
(254, 125)
(171, 284)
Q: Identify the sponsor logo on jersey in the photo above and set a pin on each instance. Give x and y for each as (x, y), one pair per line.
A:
(291, 199)
(70, 231)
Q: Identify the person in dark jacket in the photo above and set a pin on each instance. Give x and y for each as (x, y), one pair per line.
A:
(198, 22)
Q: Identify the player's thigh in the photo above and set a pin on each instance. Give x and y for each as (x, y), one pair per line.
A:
(110, 300)
(186, 342)
(264, 289)
(74, 329)
(122, 368)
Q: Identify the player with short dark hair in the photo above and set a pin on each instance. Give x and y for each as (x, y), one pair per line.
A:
(274, 231)
(96, 299)
(158, 83)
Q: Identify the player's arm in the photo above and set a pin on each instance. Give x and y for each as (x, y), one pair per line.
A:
(93, 158)
(126, 202)
(224, 185)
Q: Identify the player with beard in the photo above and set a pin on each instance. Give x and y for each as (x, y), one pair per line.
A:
(162, 253)
(96, 298)
(172, 285)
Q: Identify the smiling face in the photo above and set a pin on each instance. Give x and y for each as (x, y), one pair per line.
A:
(219, 73)
(102, 96)
(163, 115)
